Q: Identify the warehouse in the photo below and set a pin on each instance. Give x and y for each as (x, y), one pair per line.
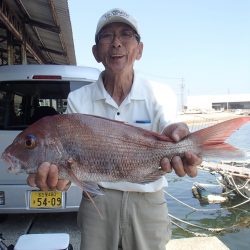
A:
(219, 102)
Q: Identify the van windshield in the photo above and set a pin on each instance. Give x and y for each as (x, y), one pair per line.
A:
(24, 102)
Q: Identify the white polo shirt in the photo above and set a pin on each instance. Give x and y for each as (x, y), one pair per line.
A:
(149, 105)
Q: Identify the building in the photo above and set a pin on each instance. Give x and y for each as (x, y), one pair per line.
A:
(219, 102)
(35, 32)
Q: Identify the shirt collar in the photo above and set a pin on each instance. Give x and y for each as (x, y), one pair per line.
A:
(136, 92)
(100, 93)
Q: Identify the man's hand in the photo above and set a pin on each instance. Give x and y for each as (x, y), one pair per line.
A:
(46, 178)
(182, 166)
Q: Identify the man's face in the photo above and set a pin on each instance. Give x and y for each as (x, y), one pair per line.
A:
(117, 47)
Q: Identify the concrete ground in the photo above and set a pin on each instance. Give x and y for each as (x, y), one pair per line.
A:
(196, 243)
(16, 225)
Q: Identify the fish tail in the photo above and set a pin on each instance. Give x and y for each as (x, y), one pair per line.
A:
(211, 140)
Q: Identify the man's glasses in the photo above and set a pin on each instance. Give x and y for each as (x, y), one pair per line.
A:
(124, 36)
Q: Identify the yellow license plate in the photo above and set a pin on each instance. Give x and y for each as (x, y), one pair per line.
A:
(49, 199)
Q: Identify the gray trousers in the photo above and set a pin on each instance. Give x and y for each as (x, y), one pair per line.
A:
(131, 221)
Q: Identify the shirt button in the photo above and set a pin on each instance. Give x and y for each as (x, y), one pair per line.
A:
(118, 113)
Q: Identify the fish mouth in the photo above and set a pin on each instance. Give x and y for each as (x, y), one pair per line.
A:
(15, 166)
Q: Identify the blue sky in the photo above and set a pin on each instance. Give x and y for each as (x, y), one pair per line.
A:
(204, 43)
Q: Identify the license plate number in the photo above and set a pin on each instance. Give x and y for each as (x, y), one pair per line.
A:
(49, 199)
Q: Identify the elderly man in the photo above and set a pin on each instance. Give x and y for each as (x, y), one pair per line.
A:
(135, 216)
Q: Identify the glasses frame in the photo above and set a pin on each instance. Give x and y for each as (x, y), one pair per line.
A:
(98, 39)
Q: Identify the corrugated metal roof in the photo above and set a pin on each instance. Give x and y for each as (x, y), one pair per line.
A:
(43, 26)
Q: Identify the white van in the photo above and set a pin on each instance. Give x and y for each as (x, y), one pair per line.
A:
(27, 93)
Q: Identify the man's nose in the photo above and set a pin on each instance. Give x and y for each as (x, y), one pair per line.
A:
(116, 40)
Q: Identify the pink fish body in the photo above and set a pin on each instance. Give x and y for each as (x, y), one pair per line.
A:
(90, 149)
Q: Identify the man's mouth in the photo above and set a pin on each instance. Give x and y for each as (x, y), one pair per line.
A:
(116, 56)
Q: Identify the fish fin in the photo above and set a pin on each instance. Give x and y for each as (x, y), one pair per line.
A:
(152, 176)
(157, 136)
(146, 132)
(223, 150)
(90, 187)
(211, 140)
(93, 202)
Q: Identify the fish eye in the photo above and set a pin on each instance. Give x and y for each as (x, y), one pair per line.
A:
(30, 141)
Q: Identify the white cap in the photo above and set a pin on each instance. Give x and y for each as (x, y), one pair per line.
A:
(119, 16)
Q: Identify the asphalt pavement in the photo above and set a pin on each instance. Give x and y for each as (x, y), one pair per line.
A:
(15, 225)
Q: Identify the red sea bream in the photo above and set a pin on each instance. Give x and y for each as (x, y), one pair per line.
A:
(89, 149)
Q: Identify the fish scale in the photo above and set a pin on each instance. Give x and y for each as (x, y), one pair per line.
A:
(90, 149)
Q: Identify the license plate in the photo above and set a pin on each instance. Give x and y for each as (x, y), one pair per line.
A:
(49, 199)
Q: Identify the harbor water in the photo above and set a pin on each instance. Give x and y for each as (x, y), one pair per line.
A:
(230, 225)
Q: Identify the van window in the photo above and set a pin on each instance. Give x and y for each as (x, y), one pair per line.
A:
(24, 102)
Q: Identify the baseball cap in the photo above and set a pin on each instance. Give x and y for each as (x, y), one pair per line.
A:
(116, 15)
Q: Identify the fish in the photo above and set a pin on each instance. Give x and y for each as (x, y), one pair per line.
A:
(89, 149)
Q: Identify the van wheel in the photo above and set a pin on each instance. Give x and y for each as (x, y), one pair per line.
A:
(70, 247)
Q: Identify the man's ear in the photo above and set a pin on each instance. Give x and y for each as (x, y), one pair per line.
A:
(140, 50)
(95, 53)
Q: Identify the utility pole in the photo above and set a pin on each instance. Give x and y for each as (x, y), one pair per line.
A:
(228, 92)
(182, 93)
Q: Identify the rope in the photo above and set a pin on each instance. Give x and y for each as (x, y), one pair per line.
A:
(197, 226)
(224, 186)
(236, 188)
(193, 208)
(189, 231)
(206, 209)
(225, 169)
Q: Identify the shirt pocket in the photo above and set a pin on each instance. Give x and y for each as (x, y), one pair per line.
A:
(145, 124)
